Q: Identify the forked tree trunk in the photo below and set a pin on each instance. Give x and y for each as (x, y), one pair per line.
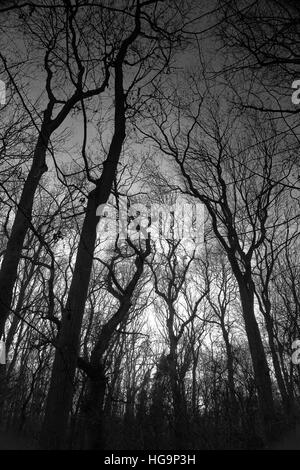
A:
(97, 380)
(61, 386)
(59, 399)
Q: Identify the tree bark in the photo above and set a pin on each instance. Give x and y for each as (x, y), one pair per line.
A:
(286, 399)
(260, 365)
(61, 386)
(12, 255)
(96, 387)
(59, 400)
(60, 394)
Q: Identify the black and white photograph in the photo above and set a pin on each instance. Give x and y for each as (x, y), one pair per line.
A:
(150, 228)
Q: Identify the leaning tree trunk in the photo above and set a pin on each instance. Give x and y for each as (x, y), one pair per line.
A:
(61, 386)
(60, 394)
(97, 380)
(13, 251)
(59, 399)
(12, 255)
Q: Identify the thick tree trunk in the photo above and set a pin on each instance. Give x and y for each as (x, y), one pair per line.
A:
(12, 255)
(94, 426)
(259, 361)
(96, 386)
(286, 400)
(59, 400)
(61, 386)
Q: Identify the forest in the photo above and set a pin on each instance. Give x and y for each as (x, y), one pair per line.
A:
(149, 224)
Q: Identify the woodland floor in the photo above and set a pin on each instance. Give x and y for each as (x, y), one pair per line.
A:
(10, 441)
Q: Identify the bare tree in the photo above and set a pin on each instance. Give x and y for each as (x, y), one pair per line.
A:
(238, 193)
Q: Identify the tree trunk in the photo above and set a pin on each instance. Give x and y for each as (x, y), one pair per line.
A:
(12, 255)
(260, 365)
(60, 394)
(59, 400)
(286, 400)
(94, 429)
